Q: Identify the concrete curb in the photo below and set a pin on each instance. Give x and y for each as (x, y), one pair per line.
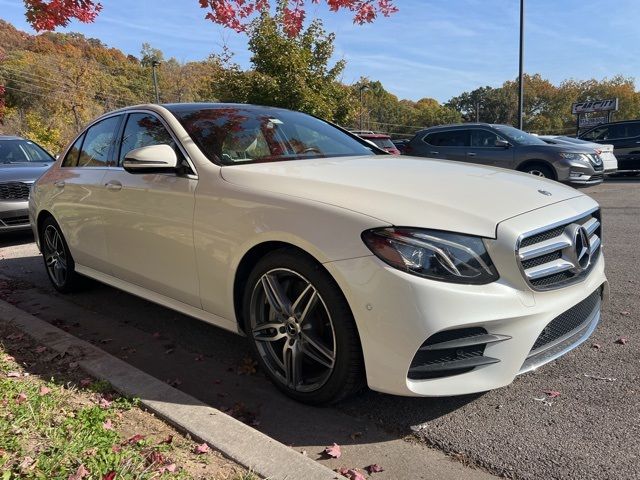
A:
(265, 456)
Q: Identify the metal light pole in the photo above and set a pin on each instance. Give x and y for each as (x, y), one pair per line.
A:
(155, 64)
(362, 88)
(521, 73)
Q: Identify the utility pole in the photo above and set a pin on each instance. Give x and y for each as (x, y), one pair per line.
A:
(155, 64)
(362, 88)
(521, 70)
(477, 111)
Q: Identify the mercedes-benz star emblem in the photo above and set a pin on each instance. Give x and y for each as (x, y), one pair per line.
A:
(545, 192)
(579, 252)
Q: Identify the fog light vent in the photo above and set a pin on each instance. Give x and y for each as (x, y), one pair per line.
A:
(453, 352)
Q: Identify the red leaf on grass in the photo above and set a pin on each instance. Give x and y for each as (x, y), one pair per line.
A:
(171, 468)
(21, 398)
(135, 439)
(40, 349)
(622, 341)
(109, 476)
(167, 440)
(333, 451)
(375, 468)
(104, 403)
(107, 425)
(80, 473)
(116, 448)
(200, 449)
(44, 390)
(551, 393)
(14, 374)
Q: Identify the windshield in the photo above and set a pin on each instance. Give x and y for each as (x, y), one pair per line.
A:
(238, 135)
(22, 151)
(383, 142)
(518, 136)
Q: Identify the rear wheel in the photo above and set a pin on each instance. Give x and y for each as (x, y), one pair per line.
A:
(540, 170)
(57, 258)
(301, 329)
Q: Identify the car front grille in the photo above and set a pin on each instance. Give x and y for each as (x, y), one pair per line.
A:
(596, 161)
(14, 191)
(14, 221)
(549, 258)
(565, 332)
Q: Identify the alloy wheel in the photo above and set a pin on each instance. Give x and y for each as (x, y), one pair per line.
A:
(55, 256)
(293, 330)
(537, 173)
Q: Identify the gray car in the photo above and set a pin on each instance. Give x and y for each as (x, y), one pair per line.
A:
(21, 163)
(507, 147)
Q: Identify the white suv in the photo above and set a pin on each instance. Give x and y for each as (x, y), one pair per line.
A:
(341, 264)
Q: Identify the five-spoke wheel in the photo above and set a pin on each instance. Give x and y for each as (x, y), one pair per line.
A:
(57, 258)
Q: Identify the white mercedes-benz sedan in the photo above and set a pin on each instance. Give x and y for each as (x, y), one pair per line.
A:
(343, 265)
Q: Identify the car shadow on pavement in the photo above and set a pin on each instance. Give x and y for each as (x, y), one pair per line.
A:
(211, 364)
(10, 239)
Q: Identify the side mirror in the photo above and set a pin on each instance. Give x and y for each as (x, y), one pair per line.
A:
(502, 143)
(151, 159)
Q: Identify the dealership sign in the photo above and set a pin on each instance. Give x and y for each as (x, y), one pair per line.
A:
(595, 106)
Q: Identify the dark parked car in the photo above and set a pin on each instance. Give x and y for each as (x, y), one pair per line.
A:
(21, 163)
(625, 138)
(507, 147)
(401, 144)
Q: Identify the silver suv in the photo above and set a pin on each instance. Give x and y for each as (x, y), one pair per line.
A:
(507, 147)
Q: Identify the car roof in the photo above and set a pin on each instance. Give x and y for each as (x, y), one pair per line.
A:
(454, 126)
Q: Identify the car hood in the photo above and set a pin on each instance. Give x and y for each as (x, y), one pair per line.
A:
(408, 191)
(22, 172)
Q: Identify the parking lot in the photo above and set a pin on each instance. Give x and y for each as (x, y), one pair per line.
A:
(590, 430)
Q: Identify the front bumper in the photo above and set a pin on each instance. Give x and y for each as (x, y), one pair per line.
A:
(578, 173)
(14, 215)
(396, 312)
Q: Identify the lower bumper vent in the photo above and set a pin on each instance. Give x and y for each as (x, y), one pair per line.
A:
(452, 352)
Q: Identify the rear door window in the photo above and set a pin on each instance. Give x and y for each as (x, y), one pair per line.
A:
(484, 138)
(450, 138)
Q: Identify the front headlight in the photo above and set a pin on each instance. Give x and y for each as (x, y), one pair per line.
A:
(444, 256)
(578, 157)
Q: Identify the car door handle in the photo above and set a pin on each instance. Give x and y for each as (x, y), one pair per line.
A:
(471, 154)
(113, 185)
(434, 153)
(59, 184)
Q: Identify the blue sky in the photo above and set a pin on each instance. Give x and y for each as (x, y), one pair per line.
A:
(431, 48)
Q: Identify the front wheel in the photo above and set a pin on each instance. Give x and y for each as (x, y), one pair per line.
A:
(540, 171)
(301, 329)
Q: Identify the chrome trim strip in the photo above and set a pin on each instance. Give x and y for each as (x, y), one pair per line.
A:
(467, 342)
(554, 225)
(455, 364)
(591, 225)
(595, 243)
(547, 269)
(548, 246)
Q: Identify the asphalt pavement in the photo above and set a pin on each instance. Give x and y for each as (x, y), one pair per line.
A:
(591, 430)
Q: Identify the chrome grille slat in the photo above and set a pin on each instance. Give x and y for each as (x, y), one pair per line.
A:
(14, 191)
(546, 256)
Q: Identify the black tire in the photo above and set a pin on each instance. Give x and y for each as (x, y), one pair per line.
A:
(540, 170)
(55, 254)
(328, 322)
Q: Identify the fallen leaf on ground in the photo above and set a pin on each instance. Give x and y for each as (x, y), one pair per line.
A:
(104, 403)
(375, 468)
(248, 366)
(625, 313)
(200, 449)
(333, 451)
(109, 476)
(351, 473)
(44, 390)
(167, 440)
(622, 341)
(171, 468)
(40, 349)
(116, 448)
(21, 398)
(135, 439)
(9, 358)
(551, 393)
(107, 425)
(27, 464)
(14, 374)
(80, 473)
(85, 382)
(155, 458)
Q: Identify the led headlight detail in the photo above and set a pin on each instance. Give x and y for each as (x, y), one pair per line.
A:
(444, 256)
